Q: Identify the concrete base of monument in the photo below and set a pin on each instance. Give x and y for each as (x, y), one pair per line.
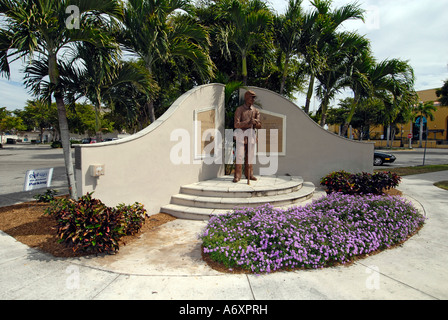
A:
(201, 200)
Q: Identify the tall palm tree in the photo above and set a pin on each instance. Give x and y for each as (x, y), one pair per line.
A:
(350, 48)
(393, 82)
(249, 25)
(156, 33)
(319, 30)
(287, 30)
(103, 70)
(41, 29)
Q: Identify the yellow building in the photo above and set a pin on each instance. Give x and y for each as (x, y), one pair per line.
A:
(437, 128)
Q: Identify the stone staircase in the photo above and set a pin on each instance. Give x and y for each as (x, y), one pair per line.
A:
(198, 201)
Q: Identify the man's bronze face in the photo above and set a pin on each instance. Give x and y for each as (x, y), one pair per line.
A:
(250, 100)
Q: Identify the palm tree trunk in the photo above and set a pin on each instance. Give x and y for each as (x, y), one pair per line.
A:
(323, 108)
(97, 117)
(350, 115)
(421, 132)
(65, 139)
(285, 73)
(309, 94)
(63, 126)
(244, 69)
(388, 136)
(149, 105)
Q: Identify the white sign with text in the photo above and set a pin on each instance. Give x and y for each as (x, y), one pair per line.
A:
(36, 179)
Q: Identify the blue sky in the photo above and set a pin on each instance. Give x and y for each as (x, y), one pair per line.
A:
(413, 30)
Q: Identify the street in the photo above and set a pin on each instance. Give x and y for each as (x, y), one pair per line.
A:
(15, 160)
(408, 158)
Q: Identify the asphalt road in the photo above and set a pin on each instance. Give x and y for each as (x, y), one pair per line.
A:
(415, 157)
(15, 160)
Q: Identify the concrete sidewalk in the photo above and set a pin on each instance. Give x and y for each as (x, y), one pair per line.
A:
(167, 264)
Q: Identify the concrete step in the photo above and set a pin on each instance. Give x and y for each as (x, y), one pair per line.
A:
(195, 213)
(223, 187)
(225, 202)
(201, 200)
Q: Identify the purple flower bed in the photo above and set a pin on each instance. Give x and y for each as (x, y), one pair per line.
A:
(331, 230)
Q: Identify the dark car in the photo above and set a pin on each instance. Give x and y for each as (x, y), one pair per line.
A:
(381, 157)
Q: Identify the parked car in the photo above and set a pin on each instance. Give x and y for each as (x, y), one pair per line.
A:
(381, 157)
(88, 140)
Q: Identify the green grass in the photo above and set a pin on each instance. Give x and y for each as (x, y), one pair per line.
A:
(405, 171)
(442, 184)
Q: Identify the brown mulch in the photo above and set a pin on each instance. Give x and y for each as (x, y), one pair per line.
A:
(27, 223)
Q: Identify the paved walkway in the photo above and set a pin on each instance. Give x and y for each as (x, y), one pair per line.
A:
(167, 264)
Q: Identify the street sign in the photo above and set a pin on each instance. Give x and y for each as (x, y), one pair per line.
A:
(417, 121)
(410, 136)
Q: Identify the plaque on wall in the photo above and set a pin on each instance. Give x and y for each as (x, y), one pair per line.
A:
(274, 124)
(205, 126)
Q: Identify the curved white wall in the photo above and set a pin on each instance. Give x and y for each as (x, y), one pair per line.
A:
(311, 151)
(138, 168)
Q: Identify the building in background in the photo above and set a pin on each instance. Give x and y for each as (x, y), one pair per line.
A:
(435, 132)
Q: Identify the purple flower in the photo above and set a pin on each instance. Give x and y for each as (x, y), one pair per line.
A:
(333, 228)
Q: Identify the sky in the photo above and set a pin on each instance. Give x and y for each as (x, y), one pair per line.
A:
(411, 30)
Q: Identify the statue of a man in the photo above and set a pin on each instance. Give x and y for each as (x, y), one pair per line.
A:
(246, 117)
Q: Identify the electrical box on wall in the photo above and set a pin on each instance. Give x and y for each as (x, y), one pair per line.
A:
(97, 170)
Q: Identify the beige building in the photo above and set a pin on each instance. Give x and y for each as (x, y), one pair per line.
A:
(437, 128)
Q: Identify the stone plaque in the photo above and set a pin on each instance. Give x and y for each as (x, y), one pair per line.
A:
(269, 121)
(205, 124)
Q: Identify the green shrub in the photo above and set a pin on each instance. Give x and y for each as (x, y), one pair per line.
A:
(88, 225)
(360, 183)
(56, 144)
(338, 181)
(48, 196)
(133, 215)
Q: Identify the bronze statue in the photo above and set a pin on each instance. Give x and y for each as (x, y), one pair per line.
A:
(246, 117)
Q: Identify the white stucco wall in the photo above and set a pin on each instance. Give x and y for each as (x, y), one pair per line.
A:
(138, 168)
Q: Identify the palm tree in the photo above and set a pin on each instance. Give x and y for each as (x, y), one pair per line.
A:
(155, 32)
(358, 64)
(40, 30)
(319, 30)
(287, 30)
(341, 60)
(249, 25)
(101, 72)
(424, 111)
(393, 82)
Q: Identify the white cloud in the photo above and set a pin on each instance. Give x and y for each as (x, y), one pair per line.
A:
(413, 30)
